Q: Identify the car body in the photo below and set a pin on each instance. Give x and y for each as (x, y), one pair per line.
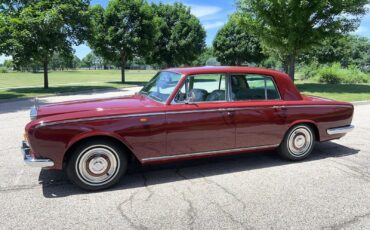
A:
(187, 113)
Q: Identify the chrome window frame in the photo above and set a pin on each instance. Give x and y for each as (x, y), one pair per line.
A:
(227, 96)
(262, 75)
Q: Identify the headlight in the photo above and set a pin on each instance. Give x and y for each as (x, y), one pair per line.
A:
(33, 112)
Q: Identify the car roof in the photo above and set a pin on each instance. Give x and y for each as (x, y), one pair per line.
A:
(224, 69)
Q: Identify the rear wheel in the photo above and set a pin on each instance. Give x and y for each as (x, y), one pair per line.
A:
(298, 143)
(97, 165)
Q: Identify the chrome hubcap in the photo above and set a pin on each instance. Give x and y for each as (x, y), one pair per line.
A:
(300, 141)
(97, 165)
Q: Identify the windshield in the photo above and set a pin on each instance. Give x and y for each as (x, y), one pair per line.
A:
(161, 86)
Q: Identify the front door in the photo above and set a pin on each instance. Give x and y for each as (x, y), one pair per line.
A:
(198, 120)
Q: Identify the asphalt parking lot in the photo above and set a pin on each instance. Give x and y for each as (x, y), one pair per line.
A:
(331, 190)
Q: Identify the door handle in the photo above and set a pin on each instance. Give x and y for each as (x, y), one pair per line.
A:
(280, 107)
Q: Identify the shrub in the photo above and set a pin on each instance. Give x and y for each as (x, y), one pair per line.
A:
(335, 74)
(330, 74)
(355, 75)
(3, 70)
(309, 71)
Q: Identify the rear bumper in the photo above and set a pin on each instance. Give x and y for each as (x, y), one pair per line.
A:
(31, 161)
(340, 130)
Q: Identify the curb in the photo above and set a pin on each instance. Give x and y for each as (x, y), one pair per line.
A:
(2, 101)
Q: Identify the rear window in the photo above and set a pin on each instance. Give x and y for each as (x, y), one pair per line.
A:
(253, 87)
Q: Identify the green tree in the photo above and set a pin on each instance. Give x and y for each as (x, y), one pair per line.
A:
(235, 45)
(125, 29)
(37, 29)
(181, 36)
(92, 60)
(9, 64)
(290, 27)
(204, 57)
(347, 50)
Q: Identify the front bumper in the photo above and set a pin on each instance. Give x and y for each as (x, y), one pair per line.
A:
(340, 130)
(31, 161)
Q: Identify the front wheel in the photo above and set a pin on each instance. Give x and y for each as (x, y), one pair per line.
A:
(298, 143)
(97, 165)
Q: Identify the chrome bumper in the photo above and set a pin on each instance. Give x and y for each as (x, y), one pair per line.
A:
(340, 130)
(29, 160)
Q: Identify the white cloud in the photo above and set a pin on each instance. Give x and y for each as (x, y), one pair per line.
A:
(204, 10)
(213, 25)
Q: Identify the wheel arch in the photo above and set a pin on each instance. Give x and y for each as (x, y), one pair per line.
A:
(310, 123)
(96, 136)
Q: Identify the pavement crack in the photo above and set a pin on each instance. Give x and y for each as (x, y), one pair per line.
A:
(357, 171)
(178, 172)
(121, 209)
(231, 217)
(225, 190)
(349, 222)
(191, 212)
(151, 192)
(33, 186)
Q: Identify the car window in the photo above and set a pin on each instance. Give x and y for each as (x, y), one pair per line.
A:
(203, 88)
(161, 86)
(253, 87)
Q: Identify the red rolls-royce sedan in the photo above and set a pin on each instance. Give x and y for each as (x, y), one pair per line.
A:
(181, 114)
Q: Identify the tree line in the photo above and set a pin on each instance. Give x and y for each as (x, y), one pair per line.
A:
(33, 31)
(263, 32)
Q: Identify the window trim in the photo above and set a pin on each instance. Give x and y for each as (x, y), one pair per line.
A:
(227, 94)
(262, 75)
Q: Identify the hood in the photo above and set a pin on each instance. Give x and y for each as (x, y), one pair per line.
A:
(127, 104)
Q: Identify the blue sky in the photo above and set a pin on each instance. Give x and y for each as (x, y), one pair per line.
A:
(213, 14)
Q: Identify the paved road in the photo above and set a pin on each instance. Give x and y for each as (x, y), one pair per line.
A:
(253, 191)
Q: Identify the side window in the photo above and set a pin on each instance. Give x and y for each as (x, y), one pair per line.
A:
(203, 88)
(253, 87)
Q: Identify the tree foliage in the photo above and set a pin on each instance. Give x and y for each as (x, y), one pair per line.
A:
(181, 36)
(293, 26)
(346, 50)
(35, 30)
(62, 62)
(235, 45)
(202, 59)
(125, 29)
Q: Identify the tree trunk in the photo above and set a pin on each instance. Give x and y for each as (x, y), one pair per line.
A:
(123, 80)
(292, 67)
(123, 64)
(46, 77)
(286, 65)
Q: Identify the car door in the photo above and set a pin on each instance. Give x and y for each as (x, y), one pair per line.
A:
(197, 120)
(259, 114)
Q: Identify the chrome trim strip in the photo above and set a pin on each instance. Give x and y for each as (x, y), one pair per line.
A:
(30, 161)
(315, 106)
(340, 130)
(207, 153)
(42, 124)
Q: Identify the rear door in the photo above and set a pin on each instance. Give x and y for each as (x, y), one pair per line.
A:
(259, 112)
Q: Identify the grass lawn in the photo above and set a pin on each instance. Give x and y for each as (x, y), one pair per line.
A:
(18, 85)
(340, 92)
